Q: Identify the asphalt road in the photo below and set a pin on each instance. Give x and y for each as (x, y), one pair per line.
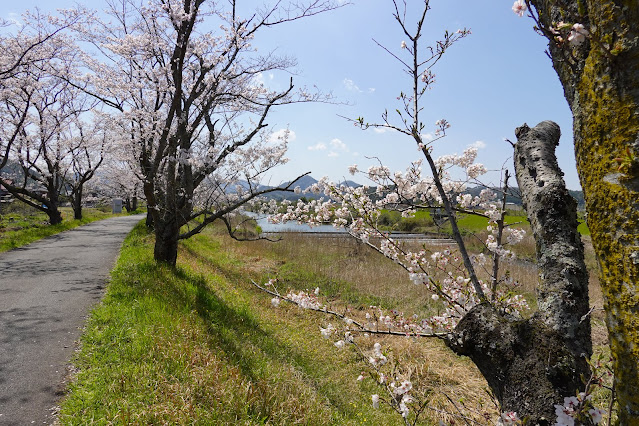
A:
(46, 291)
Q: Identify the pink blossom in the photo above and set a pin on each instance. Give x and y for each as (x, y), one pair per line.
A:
(375, 399)
(519, 7)
(578, 34)
(596, 415)
(507, 419)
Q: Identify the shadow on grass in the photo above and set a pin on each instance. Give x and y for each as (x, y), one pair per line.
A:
(233, 330)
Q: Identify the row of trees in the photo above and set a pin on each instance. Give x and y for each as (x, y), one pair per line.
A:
(52, 148)
(175, 106)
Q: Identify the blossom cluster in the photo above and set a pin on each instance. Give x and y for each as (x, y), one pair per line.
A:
(578, 32)
(397, 388)
(575, 407)
(443, 273)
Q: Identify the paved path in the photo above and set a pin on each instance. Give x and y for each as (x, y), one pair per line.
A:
(46, 291)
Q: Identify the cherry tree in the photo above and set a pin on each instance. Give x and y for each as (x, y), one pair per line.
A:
(87, 151)
(44, 148)
(118, 178)
(533, 362)
(184, 80)
(39, 110)
(593, 47)
(31, 45)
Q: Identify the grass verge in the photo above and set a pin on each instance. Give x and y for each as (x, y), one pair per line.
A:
(197, 345)
(21, 227)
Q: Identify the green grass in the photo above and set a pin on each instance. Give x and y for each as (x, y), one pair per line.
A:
(199, 345)
(421, 221)
(22, 226)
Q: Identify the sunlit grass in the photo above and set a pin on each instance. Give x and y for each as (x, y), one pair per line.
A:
(198, 344)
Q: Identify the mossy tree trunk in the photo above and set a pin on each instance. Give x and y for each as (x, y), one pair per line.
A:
(601, 84)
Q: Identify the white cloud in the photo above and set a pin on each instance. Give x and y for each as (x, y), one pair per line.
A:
(320, 146)
(479, 144)
(15, 18)
(350, 85)
(427, 136)
(339, 145)
(333, 154)
(281, 134)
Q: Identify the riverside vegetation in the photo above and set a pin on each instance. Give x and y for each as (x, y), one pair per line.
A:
(197, 344)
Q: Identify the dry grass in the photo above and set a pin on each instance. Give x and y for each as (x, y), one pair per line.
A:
(353, 270)
(357, 273)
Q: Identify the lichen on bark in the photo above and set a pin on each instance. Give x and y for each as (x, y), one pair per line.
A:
(601, 84)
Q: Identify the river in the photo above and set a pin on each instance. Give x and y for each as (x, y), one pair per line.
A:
(331, 231)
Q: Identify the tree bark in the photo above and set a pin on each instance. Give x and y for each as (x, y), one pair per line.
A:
(77, 203)
(552, 212)
(55, 217)
(166, 240)
(127, 204)
(532, 364)
(528, 365)
(601, 84)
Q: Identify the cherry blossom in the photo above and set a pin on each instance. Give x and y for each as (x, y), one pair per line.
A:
(375, 399)
(519, 7)
(578, 34)
(508, 419)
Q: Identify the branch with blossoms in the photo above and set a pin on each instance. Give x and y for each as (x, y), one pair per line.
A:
(396, 383)
(443, 273)
(394, 324)
(567, 38)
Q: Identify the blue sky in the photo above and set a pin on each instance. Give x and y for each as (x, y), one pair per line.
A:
(487, 84)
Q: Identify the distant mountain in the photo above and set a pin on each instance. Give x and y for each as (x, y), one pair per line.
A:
(304, 183)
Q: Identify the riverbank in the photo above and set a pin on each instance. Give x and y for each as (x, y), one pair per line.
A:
(200, 345)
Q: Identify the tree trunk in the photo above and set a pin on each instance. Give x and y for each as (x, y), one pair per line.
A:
(54, 215)
(166, 240)
(601, 83)
(552, 212)
(134, 203)
(532, 364)
(149, 220)
(77, 204)
(51, 208)
(528, 365)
